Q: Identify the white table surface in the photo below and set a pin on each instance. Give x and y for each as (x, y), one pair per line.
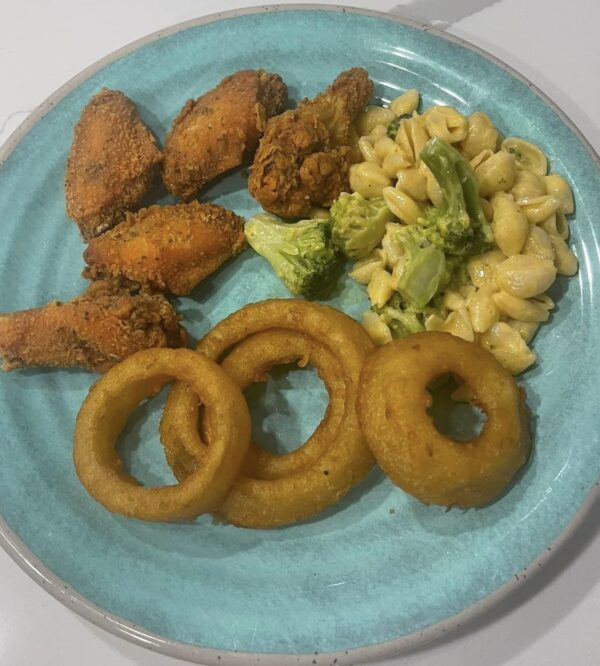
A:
(553, 619)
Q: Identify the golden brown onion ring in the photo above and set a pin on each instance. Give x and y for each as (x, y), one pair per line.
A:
(250, 361)
(103, 416)
(259, 502)
(392, 408)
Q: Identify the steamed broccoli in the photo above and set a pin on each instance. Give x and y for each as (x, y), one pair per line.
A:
(358, 224)
(301, 253)
(394, 126)
(402, 318)
(456, 274)
(420, 266)
(459, 226)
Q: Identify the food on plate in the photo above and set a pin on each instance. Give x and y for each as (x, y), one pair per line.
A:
(301, 253)
(456, 233)
(220, 129)
(268, 502)
(358, 224)
(392, 406)
(250, 361)
(426, 253)
(169, 248)
(527, 155)
(111, 165)
(478, 234)
(305, 154)
(418, 271)
(455, 224)
(118, 392)
(95, 330)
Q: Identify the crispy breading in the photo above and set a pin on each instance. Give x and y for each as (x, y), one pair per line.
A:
(170, 248)
(95, 330)
(305, 154)
(220, 129)
(112, 163)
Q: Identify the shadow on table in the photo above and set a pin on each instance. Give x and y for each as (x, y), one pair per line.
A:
(440, 13)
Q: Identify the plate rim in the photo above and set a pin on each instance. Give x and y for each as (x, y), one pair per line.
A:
(54, 585)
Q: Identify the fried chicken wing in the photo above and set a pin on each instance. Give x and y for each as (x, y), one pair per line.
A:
(95, 330)
(304, 156)
(220, 129)
(112, 163)
(170, 248)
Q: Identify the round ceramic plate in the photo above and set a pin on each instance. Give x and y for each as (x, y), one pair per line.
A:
(379, 571)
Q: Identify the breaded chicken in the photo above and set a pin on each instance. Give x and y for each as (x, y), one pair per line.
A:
(112, 163)
(94, 331)
(305, 154)
(169, 248)
(219, 130)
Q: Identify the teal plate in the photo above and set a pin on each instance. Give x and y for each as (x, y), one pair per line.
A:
(377, 573)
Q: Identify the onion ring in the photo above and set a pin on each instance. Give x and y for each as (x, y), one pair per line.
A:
(392, 409)
(320, 480)
(104, 414)
(249, 362)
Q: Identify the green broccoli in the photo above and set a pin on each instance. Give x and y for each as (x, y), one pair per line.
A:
(358, 224)
(301, 253)
(456, 274)
(401, 321)
(459, 226)
(403, 318)
(420, 266)
(394, 126)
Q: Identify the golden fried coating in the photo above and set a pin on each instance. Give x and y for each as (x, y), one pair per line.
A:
(304, 156)
(393, 403)
(105, 411)
(220, 129)
(111, 166)
(169, 248)
(95, 330)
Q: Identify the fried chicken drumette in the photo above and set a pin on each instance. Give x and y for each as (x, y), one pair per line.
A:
(95, 330)
(220, 129)
(169, 248)
(304, 156)
(111, 165)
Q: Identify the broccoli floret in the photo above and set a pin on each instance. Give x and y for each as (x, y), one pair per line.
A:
(402, 318)
(358, 224)
(402, 321)
(456, 274)
(394, 126)
(301, 253)
(420, 266)
(458, 226)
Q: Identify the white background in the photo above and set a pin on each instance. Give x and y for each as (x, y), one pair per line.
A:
(552, 619)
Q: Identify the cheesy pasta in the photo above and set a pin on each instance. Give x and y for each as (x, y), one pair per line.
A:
(502, 299)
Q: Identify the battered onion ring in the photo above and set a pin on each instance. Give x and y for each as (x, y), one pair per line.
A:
(392, 408)
(104, 413)
(249, 362)
(258, 502)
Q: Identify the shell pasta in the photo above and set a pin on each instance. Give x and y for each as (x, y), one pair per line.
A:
(496, 297)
